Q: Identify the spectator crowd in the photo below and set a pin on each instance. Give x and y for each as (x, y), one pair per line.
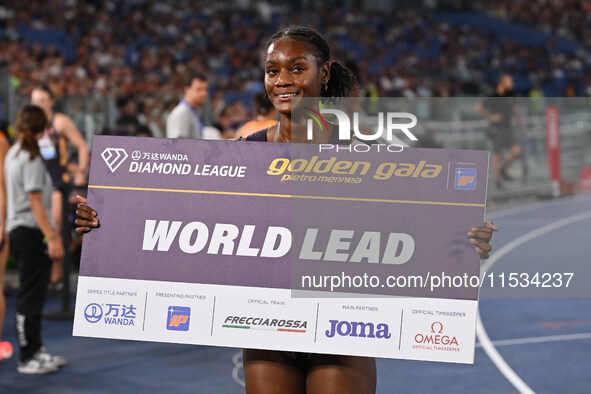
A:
(140, 52)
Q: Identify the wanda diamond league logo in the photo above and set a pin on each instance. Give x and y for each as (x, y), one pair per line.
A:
(114, 157)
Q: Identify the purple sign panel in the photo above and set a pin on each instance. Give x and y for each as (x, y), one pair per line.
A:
(286, 216)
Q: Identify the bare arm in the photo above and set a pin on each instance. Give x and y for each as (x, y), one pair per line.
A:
(3, 151)
(518, 119)
(54, 240)
(479, 108)
(68, 129)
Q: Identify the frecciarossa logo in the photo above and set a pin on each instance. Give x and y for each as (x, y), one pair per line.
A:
(265, 323)
(357, 329)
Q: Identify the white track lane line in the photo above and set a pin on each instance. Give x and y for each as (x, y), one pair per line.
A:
(537, 205)
(531, 235)
(546, 339)
(481, 334)
(238, 365)
(498, 360)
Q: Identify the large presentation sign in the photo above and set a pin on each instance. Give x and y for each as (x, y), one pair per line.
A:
(358, 250)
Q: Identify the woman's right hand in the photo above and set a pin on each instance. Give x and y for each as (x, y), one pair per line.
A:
(86, 216)
(55, 248)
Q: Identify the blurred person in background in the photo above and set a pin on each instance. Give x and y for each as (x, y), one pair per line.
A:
(429, 140)
(151, 116)
(265, 115)
(184, 120)
(223, 123)
(53, 148)
(500, 109)
(230, 119)
(34, 239)
(5, 346)
(143, 131)
(128, 122)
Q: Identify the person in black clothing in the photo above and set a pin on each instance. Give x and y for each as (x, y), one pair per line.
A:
(34, 239)
(499, 110)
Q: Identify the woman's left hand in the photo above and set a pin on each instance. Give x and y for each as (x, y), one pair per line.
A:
(480, 237)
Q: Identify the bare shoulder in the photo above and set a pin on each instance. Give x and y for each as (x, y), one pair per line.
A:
(4, 148)
(59, 118)
(63, 124)
(4, 145)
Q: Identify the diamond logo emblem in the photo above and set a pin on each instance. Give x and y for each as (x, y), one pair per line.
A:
(114, 157)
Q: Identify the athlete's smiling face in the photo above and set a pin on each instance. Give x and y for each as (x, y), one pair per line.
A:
(292, 72)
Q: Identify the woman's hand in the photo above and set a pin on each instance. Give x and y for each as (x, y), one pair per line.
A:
(480, 237)
(80, 178)
(55, 248)
(86, 216)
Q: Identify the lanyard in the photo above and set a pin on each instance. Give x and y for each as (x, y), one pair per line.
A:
(194, 111)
